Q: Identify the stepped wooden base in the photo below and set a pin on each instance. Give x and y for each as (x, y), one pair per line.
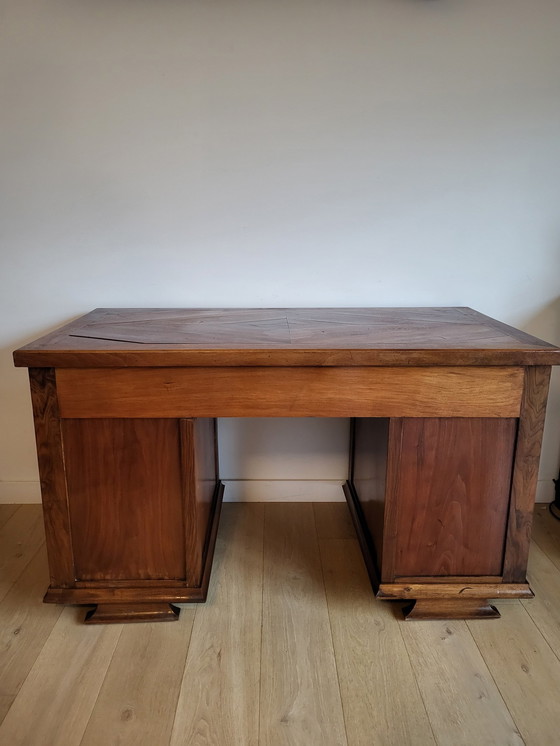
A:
(127, 613)
(444, 608)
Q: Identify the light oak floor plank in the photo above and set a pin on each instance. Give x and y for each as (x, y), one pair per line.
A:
(67, 682)
(526, 672)
(333, 521)
(6, 512)
(461, 698)
(546, 533)
(25, 624)
(300, 696)
(54, 704)
(137, 702)
(371, 656)
(544, 609)
(219, 699)
(20, 538)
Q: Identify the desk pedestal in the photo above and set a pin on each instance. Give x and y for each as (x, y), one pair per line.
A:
(443, 506)
(131, 509)
(441, 495)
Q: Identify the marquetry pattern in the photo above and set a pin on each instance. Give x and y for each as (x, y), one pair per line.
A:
(290, 648)
(350, 336)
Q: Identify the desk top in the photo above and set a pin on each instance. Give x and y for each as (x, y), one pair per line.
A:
(119, 337)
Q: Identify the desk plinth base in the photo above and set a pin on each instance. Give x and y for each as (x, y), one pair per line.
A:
(438, 608)
(118, 613)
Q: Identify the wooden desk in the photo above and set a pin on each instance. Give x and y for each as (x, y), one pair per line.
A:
(448, 408)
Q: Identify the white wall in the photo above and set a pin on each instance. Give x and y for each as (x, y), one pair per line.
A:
(243, 153)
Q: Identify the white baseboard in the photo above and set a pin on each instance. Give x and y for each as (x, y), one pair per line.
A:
(250, 490)
(283, 490)
(545, 491)
(20, 492)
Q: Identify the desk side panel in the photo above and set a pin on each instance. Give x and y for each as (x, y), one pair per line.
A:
(200, 477)
(53, 481)
(525, 473)
(368, 475)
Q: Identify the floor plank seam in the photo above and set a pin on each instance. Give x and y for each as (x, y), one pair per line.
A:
(418, 687)
(262, 627)
(542, 634)
(554, 560)
(489, 669)
(344, 716)
(101, 685)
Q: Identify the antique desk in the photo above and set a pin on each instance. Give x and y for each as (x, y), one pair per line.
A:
(448, 408)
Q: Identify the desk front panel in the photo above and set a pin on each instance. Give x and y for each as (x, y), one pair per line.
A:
(290, 392)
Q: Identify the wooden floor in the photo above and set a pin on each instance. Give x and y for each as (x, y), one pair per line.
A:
(290, 648)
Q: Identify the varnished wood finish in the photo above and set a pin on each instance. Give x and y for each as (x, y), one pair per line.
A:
(438, 396)
(290, 337)
(294, 392)
(119, 613)
(152, 592)
(369, 551)
(51, 471)
(436, 608)
(125, 482)
(369, 473)
(448, 494)
(198, 443)
(427, 589)
(525, 473)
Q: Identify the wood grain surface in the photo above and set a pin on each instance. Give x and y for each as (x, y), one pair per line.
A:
(526, 473)
(453, 683)
(199, 475)
(532, 700)
(344, 336)
(463, 703)
(55, 701)
(219, 696)
(369, 472)
(138, 699)
(125, 482)
(20, 538)
(54, 494)
(300, 698)
(25, 624)
(448, 495)
(371, 658)
(290, 392)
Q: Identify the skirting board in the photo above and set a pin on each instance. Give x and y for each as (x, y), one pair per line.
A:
(283, 490)
(250, 490)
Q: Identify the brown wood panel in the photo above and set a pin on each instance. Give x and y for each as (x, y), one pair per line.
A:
(525, 473)
(393, 591)
(286, 337)
(198, 441)
(449, 493)
(290, 392)
(51, 471)
(371, 436)
(111, 592)
(126, 498)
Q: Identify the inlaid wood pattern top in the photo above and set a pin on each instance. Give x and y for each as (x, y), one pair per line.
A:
(303, 336)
